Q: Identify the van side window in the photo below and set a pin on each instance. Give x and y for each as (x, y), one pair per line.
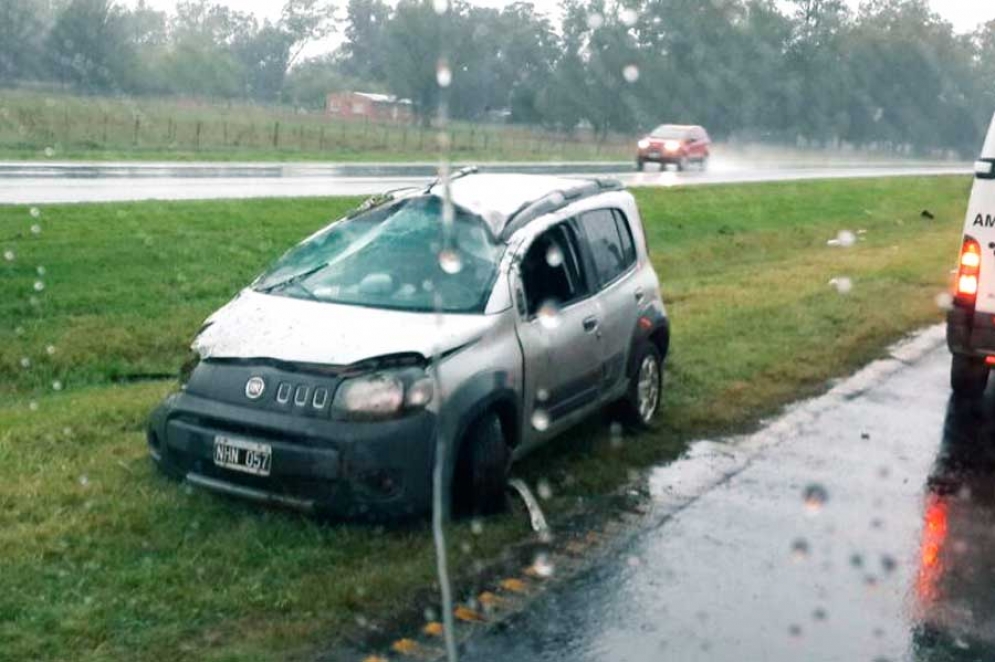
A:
(608, 249)
(551, 270)
(625, 234)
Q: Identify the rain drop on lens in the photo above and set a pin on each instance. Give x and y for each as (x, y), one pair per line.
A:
(843, 285)
(815, 497)
(542, 566)
(39, 286)
(544, 489)
(49, 152)
(25, 363)
(799, 549)
(443, 74)
(450, 262)
(554, 256)
(34, 212)
(40, 270)
(629, 17)
(595, 21)
(542, 395)
(549, 315)
(8, 256)
(56, 385)
(440, 6)
(540, 420)
(35, 229)
(630, 73)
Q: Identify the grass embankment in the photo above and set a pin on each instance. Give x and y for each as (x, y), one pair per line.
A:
(103, 559)
(58, 126)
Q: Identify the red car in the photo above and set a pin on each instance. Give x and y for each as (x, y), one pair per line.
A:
(675, 144)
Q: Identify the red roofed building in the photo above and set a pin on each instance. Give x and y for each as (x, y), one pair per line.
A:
(368, 105)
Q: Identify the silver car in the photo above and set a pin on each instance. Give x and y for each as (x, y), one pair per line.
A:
(483, 320)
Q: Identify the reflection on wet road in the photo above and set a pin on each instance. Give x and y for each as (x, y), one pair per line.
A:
(859, 526)
(52, 182)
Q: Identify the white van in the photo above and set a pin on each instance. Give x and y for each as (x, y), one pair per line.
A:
(971, 321)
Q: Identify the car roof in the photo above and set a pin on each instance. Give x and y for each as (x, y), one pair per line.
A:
(497, 196)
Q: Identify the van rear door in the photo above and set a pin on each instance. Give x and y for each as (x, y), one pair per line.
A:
(980, 222)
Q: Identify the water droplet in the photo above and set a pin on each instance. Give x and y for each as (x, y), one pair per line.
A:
(549, 314)
(465, 547)
(25, 362)
(33, 406)
(795, 630)
(878, 114)
(56, 385)
(799, 549)
(34, 212)
(845, 239)
(630, 73)
(440, 6)
(39, 286)
(542, 395)
(19, 331)
(49, 152)
(842, 284)
(9, 256)
(820, 614)
(615, 431)
(888, 564)
(629, 17)
(540, 420)
(877, 523)
(443, 74)
(83, 480)
(856, 560)
(634, 561)
(815, 497)
(595, 21)
(543, 489)
(554, 256)
(542, 566)
(944, 301)
(450, 261)
(41, 270)
(477, 526)
(36, 229)
(50, 350)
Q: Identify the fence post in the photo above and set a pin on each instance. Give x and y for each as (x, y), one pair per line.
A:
(321, 140)
(105, 129)
(138, 125)
(197, 138)
(225, 131)
(276, 134)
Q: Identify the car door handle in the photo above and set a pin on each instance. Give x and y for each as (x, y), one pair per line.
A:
(591, 324)
(640, 295)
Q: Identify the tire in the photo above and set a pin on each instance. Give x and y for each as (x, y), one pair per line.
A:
(703, 164)
(640, 165)
(682, 165)
(482, 469)
(642, 401)
(968, 375)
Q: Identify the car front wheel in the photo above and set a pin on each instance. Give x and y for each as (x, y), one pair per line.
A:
(642, 402)
(482, 469)
(968, 375)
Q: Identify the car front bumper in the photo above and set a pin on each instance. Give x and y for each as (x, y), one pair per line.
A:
(339, 469)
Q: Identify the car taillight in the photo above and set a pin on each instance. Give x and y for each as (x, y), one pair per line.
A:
(968, 273)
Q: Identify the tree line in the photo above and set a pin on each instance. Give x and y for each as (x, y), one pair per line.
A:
(892, 72)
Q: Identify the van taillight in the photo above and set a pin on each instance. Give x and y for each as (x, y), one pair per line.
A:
(967, 274)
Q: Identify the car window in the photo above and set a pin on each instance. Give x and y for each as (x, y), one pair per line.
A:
(625, 236)
(551, 270)
(606, 245)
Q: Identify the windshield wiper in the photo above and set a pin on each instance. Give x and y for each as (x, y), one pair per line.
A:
(295, 280)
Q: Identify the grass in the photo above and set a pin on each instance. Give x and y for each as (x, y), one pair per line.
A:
(36, 126)
(103, 559)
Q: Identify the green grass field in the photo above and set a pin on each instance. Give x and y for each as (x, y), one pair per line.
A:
(36, 126)
(104, 559)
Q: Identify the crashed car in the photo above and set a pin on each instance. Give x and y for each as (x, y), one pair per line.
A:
(478, 323)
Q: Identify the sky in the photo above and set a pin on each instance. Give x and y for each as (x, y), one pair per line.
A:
(965, 15)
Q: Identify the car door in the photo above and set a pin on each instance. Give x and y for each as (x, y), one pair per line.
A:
(609, 242)
(559, 331)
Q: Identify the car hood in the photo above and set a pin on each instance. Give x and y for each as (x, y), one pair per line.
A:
(256, 325)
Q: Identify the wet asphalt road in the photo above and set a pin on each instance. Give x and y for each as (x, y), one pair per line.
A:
(55, 182)
(898, 563)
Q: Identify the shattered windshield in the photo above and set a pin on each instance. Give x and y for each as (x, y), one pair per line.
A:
(392, 257)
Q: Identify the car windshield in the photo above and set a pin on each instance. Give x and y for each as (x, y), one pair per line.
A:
(667, 132)
(392, 257)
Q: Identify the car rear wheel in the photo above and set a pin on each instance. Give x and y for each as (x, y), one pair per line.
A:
(642, 401)
(703, 164)
(682, 165)
(968, 375)
(482, 469)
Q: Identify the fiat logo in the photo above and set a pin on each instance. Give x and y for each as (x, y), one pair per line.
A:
(254, 388)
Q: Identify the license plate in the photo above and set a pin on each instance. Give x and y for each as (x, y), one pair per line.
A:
(250, 457)
(655, 155)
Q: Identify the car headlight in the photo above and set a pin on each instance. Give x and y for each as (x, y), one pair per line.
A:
(189, 364)
(383, 395)
(643, 144)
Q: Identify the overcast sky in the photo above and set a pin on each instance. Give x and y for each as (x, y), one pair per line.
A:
(964, 14)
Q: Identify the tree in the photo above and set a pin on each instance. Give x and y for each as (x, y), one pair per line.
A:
(362, 54)
(21, 40)
(88, 46)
